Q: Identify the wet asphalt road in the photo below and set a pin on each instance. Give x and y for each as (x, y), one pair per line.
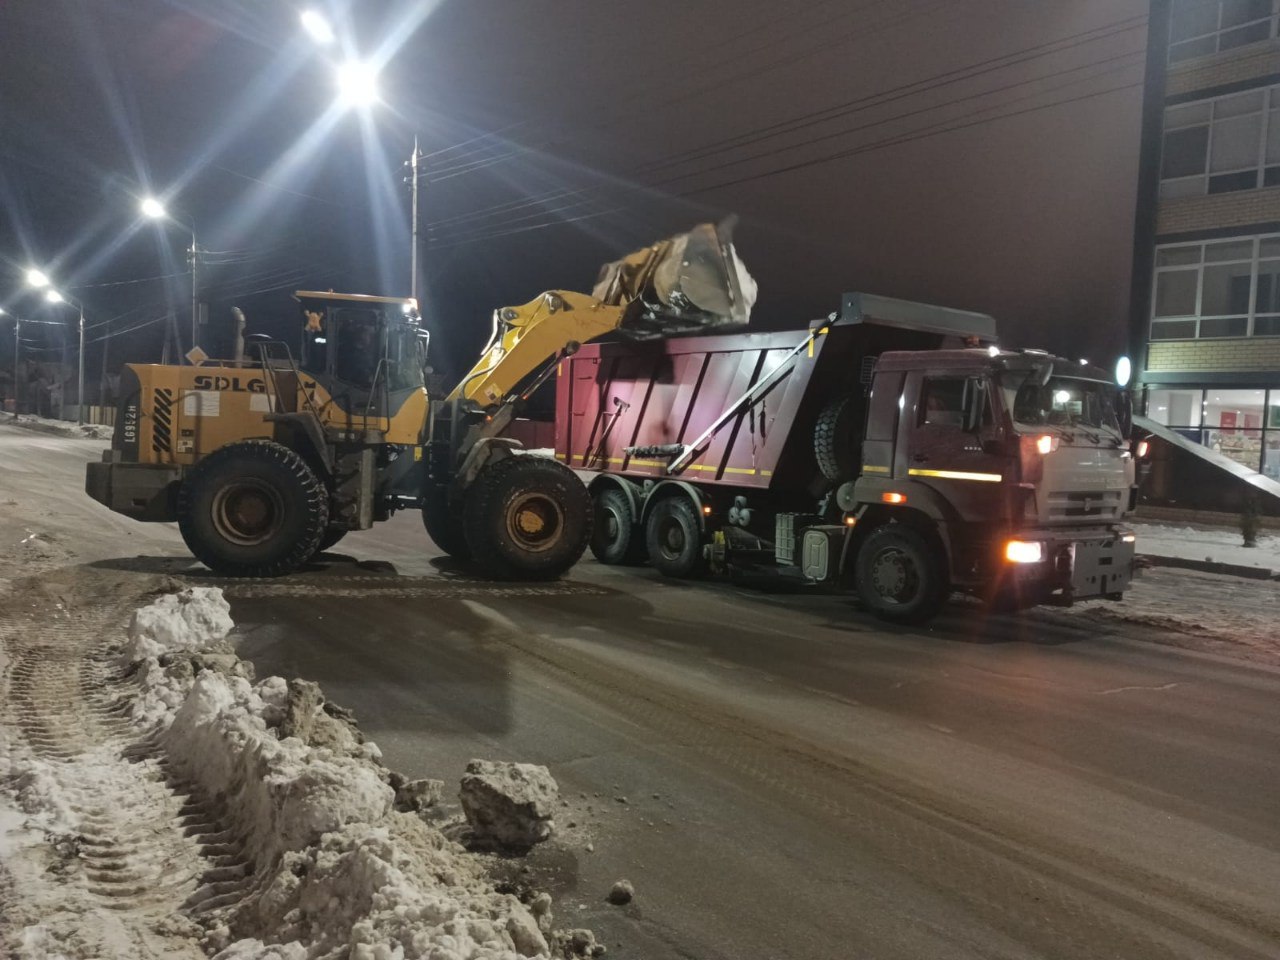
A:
(801, 781)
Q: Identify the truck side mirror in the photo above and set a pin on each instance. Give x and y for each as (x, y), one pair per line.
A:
(975, 399)
(1124, 412)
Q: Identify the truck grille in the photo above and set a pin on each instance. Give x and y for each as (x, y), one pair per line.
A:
(1094, 503)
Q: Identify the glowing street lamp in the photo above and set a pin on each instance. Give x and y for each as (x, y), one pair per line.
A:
(317, 27)
(154, 209)
(40, 280)
(357, 84)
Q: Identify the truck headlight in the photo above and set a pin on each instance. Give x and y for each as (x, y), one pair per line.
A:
(1024, 551)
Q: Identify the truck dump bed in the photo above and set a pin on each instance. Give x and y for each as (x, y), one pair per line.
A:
(737, 409)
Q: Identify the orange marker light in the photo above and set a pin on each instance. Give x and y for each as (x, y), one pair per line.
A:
(1045, 444)
(1143, 448)
(706, 511)
(850, 521)
(893, 497)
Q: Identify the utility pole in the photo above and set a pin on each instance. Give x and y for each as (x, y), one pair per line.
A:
(195, 296)
(414, 175)
(80, 382)
(17, 345)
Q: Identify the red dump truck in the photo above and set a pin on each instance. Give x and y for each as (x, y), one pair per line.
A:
(891, 449)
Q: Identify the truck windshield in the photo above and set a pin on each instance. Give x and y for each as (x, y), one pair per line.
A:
(1062, 402)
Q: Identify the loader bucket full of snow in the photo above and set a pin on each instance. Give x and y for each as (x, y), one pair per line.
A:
(691, 283)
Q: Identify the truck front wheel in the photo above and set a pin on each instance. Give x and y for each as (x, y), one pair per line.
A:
(527, 518)
(899, 575)
(674, 538)
(253, 509)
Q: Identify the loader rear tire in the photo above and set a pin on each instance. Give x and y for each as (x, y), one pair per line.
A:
(444, 524)
(527, 518)
(253, 509)
(615, 536)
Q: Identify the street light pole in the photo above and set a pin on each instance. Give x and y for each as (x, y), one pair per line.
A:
(80, 381)
(155, 210)
(195, 296)
(413, 254)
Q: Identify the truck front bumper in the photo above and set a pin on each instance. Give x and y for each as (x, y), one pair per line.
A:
(1074, 565)
(144, 491)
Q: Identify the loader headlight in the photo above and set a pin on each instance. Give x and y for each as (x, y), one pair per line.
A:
(1024, 551)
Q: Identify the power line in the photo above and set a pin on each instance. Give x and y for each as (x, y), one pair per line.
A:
(924, 133)
(701, 89)
(855, 105)
(867, 126)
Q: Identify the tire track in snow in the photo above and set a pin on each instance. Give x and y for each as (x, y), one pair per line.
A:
(125, 862)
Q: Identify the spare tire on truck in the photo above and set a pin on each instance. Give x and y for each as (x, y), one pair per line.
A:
(253, 509)
(527, 518)
(836, 438)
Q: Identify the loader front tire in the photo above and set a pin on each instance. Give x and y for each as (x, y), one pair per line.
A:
(253, 509)
(527, 518)
(444, 524)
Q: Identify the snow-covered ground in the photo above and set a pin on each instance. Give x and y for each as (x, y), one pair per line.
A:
(1233, 616)
(1219, 545)
(62, 428)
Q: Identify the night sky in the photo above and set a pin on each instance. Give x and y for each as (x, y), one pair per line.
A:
(980, 154)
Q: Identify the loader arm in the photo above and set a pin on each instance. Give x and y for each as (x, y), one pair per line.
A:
(526, 337)
(692, 282)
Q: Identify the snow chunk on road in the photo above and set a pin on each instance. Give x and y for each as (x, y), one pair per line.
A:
(510, 804)
(191, 619)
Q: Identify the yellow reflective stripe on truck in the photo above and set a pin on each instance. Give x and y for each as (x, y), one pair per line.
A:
(955, 475)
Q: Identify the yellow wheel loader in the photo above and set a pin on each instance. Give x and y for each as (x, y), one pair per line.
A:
(269, 458)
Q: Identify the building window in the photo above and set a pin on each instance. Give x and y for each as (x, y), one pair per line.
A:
(1201, 27)
(1222, 288)
(1241, 424)
(1221, 145)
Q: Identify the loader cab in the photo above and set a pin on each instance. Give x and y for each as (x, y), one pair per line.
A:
(368, 353)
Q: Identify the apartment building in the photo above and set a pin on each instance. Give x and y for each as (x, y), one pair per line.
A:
(1206, 301)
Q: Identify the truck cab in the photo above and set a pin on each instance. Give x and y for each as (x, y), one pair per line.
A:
(1016, 465)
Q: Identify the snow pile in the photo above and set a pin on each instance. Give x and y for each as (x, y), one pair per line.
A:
(192, 619)
(280, 795)
(395, 889)
(509, 804)
(344, 868)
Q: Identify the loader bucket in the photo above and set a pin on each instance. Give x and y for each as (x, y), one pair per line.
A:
(690, 283)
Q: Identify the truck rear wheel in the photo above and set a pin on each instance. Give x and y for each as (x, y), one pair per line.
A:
(899, 575)
(614, 536)
(443, 521)
(674, 538)
(527, 518)
(253, 509)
